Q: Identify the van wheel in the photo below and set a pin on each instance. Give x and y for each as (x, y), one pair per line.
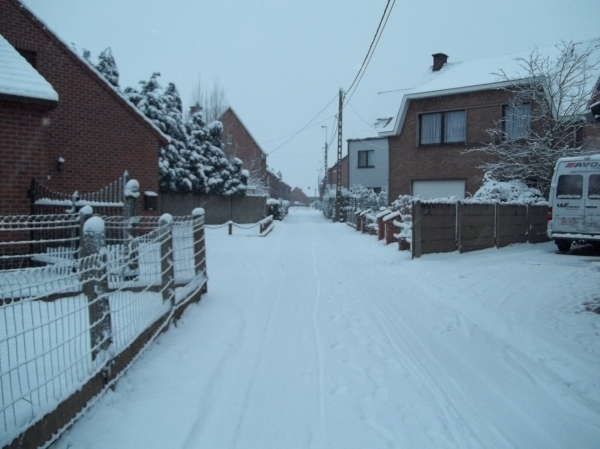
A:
(563, 245)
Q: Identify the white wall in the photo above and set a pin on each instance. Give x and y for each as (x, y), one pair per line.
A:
(378, 176)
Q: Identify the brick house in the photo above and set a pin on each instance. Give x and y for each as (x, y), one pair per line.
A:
(285, 191)
(238, 142)
(332, 173)
(430, 127)
(89, 127)
(298, 195)
(277, 188)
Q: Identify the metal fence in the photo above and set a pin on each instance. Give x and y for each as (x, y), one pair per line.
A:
(106, 201)
(31, 240)
(75, 320)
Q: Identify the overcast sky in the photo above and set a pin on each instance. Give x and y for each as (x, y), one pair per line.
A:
(280, 62)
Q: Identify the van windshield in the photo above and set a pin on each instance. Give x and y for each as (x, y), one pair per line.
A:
(569, 187)
(594, 187)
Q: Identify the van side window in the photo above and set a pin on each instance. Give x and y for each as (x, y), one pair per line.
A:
(594, 187)
(569, 187)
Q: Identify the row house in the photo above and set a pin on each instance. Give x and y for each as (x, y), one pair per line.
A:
(61, 122)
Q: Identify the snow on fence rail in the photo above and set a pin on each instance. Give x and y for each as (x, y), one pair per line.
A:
(69, 328)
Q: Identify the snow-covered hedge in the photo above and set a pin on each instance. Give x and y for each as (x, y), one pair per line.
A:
(277, 208)
(357, 197)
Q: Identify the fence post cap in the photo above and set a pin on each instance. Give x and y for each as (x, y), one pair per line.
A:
(132, 189)
(198, 212)
(86, 210)
(94, 225)
(165, 219)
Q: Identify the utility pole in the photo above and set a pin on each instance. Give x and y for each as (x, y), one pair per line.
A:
(325, 160)
(338, 190)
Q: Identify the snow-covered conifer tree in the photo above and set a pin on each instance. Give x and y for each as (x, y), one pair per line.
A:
(197, 133)
(108, 67)
(174, 175)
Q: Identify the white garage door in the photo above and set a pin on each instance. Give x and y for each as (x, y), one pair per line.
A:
(427, 190)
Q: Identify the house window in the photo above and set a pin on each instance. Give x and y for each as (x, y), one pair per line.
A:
(517, 120)
(365, 159)
(442, 128)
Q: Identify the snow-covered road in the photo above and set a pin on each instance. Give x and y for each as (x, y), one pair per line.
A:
(319, 337)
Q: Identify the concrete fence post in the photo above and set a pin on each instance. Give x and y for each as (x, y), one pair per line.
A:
(199, 243)
(167, 266)
(95, 283)
(131, 222)
(85, 213)
(416, 229)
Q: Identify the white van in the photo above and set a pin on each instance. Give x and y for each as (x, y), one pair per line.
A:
(574, 214)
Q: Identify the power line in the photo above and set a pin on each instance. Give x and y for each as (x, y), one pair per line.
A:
(373, 46)
(290, 134)
(303, 128)
(370, 46)
(360, 116)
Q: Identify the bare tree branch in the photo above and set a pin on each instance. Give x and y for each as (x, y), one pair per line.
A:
(558, 91)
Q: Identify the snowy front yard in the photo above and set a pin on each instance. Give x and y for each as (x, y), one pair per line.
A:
(319, 337)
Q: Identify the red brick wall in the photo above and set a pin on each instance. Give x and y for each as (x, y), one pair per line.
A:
(298, 195)
(242, 145)
(592, 136)
(409, 162)
(332, 173)
(97, 133)
(22, 153)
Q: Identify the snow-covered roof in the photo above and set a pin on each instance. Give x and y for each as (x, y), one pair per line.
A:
(463, 77)
(19, 78)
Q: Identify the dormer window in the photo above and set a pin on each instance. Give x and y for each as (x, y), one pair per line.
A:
(382, 122)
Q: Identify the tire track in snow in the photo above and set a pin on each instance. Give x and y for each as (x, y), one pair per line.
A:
(246, 401)
(319, 349)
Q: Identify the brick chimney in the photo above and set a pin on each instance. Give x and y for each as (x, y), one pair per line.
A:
(439, 59)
